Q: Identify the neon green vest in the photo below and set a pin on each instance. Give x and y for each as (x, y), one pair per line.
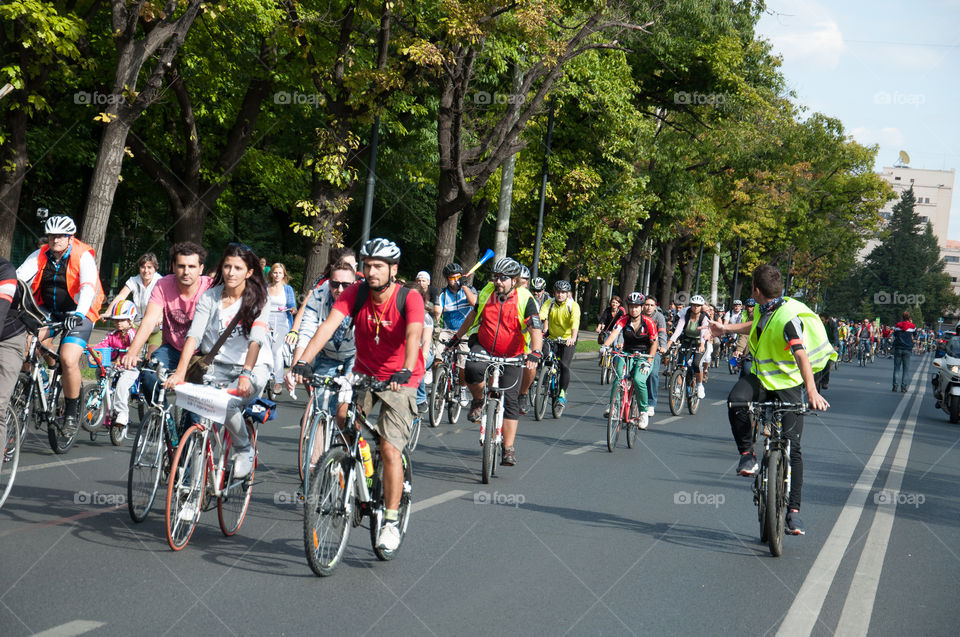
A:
(523, 295)
(773, 360)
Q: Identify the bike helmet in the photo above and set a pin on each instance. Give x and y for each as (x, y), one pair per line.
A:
(538, 284)
(635, 298)
(382, 249)
(60, 224)
(123, 310)
(524, 272)
(452, 269)
(751, 302)
(737, 302)
(696, 299)
(561, 286)
(507, 266)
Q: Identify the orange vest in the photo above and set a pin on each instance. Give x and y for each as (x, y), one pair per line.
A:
(77, 250)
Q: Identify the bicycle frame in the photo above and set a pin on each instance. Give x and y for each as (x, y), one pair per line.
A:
(626, 382)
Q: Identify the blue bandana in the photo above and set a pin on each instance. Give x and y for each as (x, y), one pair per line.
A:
(771, 305)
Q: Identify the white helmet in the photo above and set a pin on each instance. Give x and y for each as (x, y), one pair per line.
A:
(697, 299)
(382, 249)
(60, 224)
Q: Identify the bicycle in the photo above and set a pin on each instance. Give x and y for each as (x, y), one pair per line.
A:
(96, 400)
(341, 493)
(548, 381)
(683, 383)
(771, 485)
(606, 362)
(446, 391)
(200, 473)
(623, 406)
(318, 421)
(491, 422)
(862, 353)
(10, 459)
(668, 364)
(154, 448)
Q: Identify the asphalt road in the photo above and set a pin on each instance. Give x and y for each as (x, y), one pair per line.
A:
(660, 539)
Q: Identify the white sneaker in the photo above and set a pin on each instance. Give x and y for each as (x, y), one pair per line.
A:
(701, 392)
(606, 412)
(644, 421)
(464, 396)
(650, 411)
(188, 512)
(243, 464)
(389, 537)
(428, 377)
(122, 419)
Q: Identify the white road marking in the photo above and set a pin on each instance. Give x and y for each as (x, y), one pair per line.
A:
(58, 463)
(439, 499)
(76, 627)
(858, 607)
(585, 448)
(665, 421)
(806, 607)
(291, 427)
(719, 402)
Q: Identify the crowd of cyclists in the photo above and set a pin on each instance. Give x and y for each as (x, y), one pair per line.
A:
(243, 319)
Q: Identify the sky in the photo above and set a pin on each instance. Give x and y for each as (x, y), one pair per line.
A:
(890, 71)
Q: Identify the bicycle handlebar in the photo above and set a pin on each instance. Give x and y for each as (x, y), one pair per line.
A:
(777, 405)
(497, 360)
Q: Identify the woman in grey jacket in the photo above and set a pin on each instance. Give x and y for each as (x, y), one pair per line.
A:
(244, 360)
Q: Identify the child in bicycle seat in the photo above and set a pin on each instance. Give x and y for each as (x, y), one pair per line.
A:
(123, 314)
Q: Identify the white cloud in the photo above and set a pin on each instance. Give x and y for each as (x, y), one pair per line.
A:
(820, 43)
(886, 136)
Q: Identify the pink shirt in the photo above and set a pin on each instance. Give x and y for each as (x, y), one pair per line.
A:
(177, 310)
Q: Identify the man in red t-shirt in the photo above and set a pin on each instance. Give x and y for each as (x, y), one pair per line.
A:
(388, 348)
(505, 317)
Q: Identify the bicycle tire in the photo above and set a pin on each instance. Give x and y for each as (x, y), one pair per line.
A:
(540, 403)
(326, 525)
(415, 433)
(776, 504)
(438, 396)
(146, 461)
(403, 513)
(490, 432)
(677, 391)
(305, 443)
(693, 399)
(633, 423)
(234, 499)
(60, 441)
(92, 406)
(454, 408)
(556, 406)
(11, 447)
(613, 418)
(188, 478)
(760, 498)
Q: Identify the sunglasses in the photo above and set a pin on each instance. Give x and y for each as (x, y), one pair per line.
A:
(340, 284)
(453, 278)
(502, 277)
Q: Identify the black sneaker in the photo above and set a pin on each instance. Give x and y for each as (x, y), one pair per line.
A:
(748, 464)
(524, 404)
(70, 426)
(476, 411)
(509, 457)
(794, 523)
(903, 389)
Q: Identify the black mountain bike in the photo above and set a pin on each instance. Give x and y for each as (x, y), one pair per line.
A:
(683, 383)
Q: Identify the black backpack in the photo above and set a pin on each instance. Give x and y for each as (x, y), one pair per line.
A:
(27, 310)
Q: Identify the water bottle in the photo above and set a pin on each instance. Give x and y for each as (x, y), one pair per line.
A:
(367, 461)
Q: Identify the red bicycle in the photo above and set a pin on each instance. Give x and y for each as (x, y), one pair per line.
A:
(624, 410)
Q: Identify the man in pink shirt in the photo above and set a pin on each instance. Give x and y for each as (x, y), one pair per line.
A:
(173, 300)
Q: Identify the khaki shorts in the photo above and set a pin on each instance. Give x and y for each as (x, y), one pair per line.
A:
(439, 344)
(398, 409)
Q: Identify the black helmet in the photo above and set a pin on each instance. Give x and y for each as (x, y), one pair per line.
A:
(561, 286)
(635, 298)
(452, 269)
(538, 284)
(507, 266)
(382, 249)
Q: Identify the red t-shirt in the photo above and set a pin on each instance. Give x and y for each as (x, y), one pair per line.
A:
(382, 359)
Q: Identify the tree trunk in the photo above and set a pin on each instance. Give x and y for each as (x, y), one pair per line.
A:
(106, 177)
(586, 301)
(190, 220)
(630, 271)
(473, 217)
(687, 270)
(604, 297)
(669, 266)
(12, 181)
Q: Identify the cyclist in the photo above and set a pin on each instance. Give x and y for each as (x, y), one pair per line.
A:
(735, 315)
(651, 311)
(524, 277)
(639, 337)
(504, 323)
(865, 337)
(538, 287)
(65, 282)
(336, 256)
(123, 314)
(561, 318)
(283, 303)
(609, 317)
(688, 332)
(141, 287)
(430, 294)
(455, 304)
(13, 340)
(789, 346)
(387, 335)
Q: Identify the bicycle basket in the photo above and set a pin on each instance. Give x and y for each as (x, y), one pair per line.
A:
(261, 410)
(27, 310)
(105, 354)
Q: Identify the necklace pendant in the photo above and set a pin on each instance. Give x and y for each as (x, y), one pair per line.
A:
(376, 340)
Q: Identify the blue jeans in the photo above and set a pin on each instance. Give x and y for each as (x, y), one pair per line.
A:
(653, 381)
(328, 367)
(169, 358)
(422, 389)
(901, 360)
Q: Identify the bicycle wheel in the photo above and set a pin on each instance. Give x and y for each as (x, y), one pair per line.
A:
(693, 399)
(776, 504)
(188, 477)
(403, 513)
(490, 432)
(143, 473)
(454, 408)
(92, 407)
(10, 458)
(415, 434)
(60, 439)
(613, 418)
(633, 424)
(308, 428)
(438, 396)
(543, 390)
(760, 498)
(326, 524)
(677, 391)
(234, 498)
